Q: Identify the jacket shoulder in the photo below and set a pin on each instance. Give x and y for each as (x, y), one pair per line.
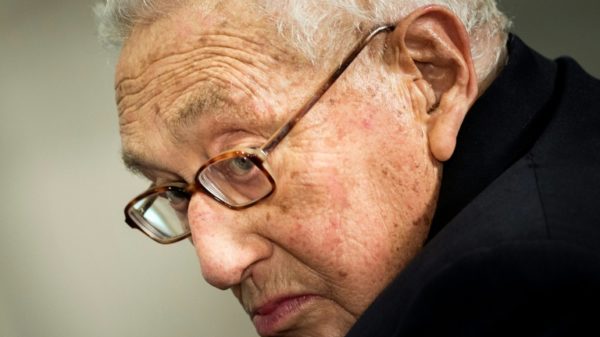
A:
(566, 159)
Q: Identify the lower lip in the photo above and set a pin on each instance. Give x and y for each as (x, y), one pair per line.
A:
(276, 320)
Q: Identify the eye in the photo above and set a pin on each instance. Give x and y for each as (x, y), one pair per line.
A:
(241, 166)
(179, 200)
(237, 170)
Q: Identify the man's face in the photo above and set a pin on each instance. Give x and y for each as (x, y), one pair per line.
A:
(355, 181)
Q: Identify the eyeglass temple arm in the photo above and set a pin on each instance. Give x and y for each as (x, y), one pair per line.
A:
(287, 127)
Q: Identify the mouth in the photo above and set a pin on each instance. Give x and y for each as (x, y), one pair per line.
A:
(279, 314)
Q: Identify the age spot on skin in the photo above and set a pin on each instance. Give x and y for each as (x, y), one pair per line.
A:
(285, 207)
(425, 220)
(415, 187)
(332, 101)
(367, 124)
(335, 222)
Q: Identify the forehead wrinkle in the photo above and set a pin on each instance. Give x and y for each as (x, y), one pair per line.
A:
(138, 65)
(249, 55)
(210, 43)
(174, 73)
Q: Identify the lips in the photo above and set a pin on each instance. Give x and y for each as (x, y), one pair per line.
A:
(277, 315)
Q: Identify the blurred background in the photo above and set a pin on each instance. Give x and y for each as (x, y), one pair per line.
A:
(69, 266)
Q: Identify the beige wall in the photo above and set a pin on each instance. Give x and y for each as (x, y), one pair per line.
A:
(69, 267)
(557, 28)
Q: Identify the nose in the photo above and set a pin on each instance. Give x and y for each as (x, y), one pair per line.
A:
(226, 242)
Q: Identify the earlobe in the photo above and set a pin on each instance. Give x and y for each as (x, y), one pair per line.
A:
(442, 131)
(431, 46)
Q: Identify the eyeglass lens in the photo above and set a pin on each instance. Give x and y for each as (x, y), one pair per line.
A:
(163, 215)
(236, 181)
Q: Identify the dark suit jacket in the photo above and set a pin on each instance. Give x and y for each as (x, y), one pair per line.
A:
(514, 248)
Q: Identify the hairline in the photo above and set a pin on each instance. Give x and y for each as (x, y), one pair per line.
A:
(488, 32)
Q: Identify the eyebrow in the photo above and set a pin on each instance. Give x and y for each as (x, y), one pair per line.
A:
(138, 164)
(206, 102)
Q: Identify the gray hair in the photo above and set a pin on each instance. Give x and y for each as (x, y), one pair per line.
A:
(308, 24)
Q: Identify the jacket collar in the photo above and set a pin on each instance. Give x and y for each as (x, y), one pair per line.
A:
(500, 128)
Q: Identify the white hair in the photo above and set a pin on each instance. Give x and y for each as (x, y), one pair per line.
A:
(309, 24)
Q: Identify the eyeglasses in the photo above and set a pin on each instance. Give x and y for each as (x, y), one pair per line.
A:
(237, 179)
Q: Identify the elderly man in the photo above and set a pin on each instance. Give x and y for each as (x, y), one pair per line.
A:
(364, 168)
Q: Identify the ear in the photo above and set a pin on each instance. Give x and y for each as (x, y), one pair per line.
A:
(431, 46)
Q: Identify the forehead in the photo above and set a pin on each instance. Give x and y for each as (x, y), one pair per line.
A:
(198, 61)
(151, 45)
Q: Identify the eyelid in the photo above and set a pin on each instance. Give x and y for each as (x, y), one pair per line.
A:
(238, 140)
(173, 179)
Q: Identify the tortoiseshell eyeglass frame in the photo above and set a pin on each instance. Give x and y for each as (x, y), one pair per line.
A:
(258, 156)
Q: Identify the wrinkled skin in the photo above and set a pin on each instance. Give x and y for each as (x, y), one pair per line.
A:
(356, 183)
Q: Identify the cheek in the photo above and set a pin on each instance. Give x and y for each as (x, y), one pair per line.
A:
(314, 199)
(325, 187)
(350, 198)
(333, 221)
